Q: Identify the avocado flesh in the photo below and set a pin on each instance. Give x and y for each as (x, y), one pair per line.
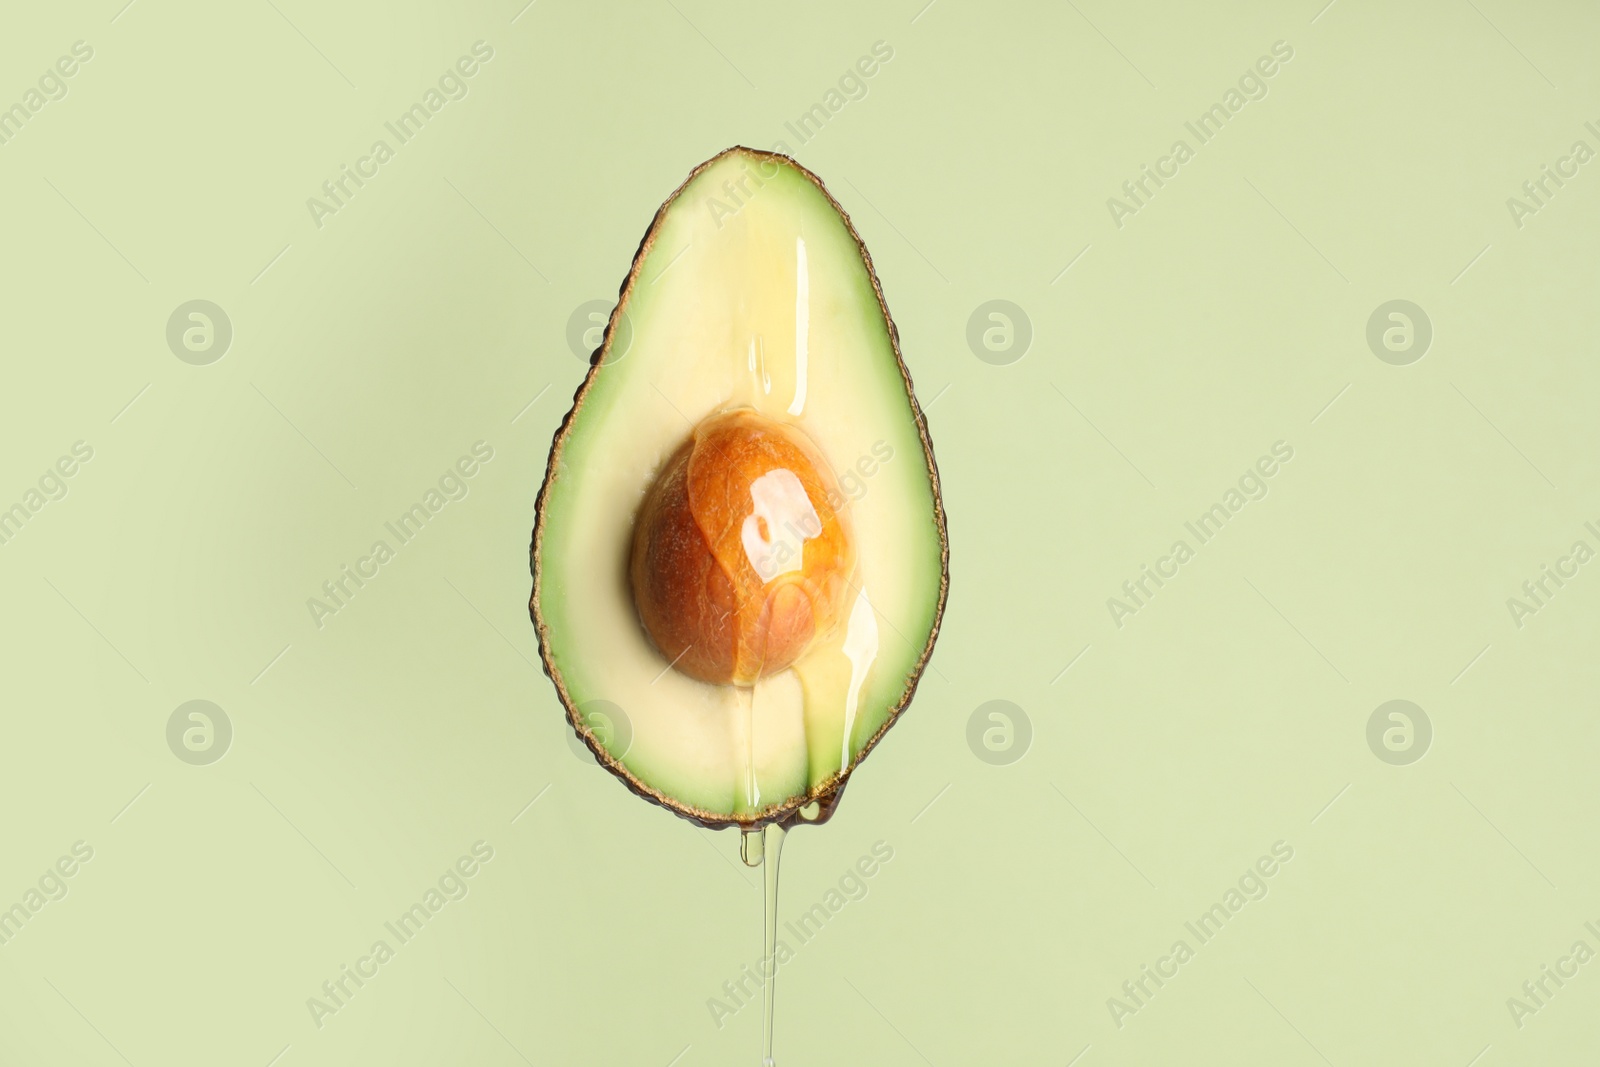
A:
(750, 289)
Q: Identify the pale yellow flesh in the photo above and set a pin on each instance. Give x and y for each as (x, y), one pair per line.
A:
(722, 306)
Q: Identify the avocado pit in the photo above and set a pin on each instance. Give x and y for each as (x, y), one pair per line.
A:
(740, 561)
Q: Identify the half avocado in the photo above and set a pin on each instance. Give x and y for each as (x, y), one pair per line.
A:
(751, 307)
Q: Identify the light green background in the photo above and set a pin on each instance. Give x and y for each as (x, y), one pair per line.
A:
(1226, 715)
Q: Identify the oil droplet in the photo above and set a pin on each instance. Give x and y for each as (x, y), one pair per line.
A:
(750, 849)
(861, 649)
(773, 848)
(746, 696)
(778, 498)
(758, 363)
(802, 324)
